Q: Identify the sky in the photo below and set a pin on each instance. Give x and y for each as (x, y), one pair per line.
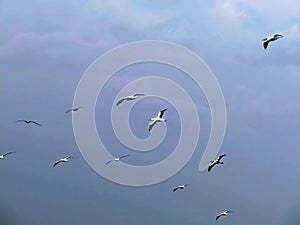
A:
(46, 46)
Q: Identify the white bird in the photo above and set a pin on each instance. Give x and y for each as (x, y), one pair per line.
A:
(157, 119)
(223, 214)
(128, 98)
(63, 160)
(180, 187)
(3, 156)
(271, 38)
(29, 121)
(215, 162)
(74, 109)
(117, 159)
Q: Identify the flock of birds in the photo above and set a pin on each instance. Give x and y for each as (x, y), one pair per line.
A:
(152, 122)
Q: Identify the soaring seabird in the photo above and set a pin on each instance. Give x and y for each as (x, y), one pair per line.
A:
(271, 38)
(29, 121)
(157, 119)
(63, 160)
(223, 214)
(128, 98)
(3, 156)
(180, 187)
(215, 162)
(74, 109)
(117, 159)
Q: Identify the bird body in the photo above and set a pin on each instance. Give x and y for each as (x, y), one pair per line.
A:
(157, 119)
(74, 109)
(29, 121)
(129, 98)
(117, 159)
(223, 214)
(180, 187)
(3, 155)
(215, 162)
(63, 160)
(271, 38)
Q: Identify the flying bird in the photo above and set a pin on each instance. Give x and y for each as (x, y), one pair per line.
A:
(223, 214)
(117, 159)
(74, 109)
(157, 119)
(29, 121)
(63, 160)
(215, 162)
(129, 98)
(3, 156)
(180, 187)
(271, 38)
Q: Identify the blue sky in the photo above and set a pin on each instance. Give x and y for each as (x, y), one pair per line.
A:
(47, 45)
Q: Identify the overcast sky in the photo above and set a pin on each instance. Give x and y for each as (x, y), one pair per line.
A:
(47, 45)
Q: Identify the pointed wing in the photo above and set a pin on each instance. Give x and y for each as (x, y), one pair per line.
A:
(138, 95)
(8, 153)
(18, 121)
(108, 162)
(56, 163)
(175, 189)
(210, 166)
(72, 157)
(69, 110)
(36, 123)
(152, 124)
(120, 101)
(266, 44)
(278, 35)
(123, 156)
(161, 113)
(218, 216)
(221, 156)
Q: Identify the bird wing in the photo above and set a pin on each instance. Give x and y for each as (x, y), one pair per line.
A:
(210, 166)
(138, 95)
(161, 113)
(120, 101)
(108, 162)
(35, 123)
(221, 156)
(69, 110)
(123, 156)
(218, 216)
(55, 164)
(8, 153)
(18, 121)
(72, 157)
(266, 44)
(152, 124)
(175, 189)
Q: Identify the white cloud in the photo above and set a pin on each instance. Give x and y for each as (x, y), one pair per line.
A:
(232, 14)
(125, 11)
(277, 9)
(228, 14)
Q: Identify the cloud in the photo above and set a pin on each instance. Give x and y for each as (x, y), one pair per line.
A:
(125, 11)
(228, 14)
(233, 15)
(277, 9)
